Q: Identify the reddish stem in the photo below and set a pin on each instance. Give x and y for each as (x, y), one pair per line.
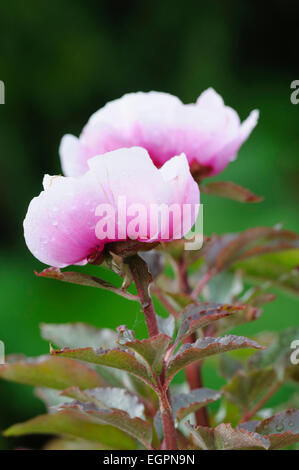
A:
(193, 371)
(170, 437)
(194, 378)
(140, 275)
(142, 281)
(250, 414)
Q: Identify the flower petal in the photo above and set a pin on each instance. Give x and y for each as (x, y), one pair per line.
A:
(208, 132)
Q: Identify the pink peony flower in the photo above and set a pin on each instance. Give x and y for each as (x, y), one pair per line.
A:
(61, 225)
(208, 132)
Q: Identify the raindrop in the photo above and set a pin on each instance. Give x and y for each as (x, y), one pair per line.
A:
(279, 427)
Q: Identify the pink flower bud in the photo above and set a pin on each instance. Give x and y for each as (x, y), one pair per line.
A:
(208, 132)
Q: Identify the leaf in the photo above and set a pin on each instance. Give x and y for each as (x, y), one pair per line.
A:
(246, 314)
(230, 190)
(205, 347)
(224, 437)
(152, 350)
(74, 423)
(278, 353)
(281, 429)
(166, 325)
(202, 314)
(246, 388)
(52, 372)
(84, 280)
(222, 251)
(108, 397)
(139, 429)
(78, 335)
(73, 444)
(280, 269)
(117, 358)
(228, 366)
(185, 403)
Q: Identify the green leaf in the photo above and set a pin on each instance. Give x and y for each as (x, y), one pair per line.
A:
(185, 403)
(84, 280)
(224, 437)
(246, 388)
(230, 190)
(74, 444)
(74, 423)
(152, 350)
(202, 314)
(281, 429)
(280, 269)
(108, 397)
(278, 353)
(116, 358)
(139, 429)
(78, 335)
(205, 347)
(52, 372)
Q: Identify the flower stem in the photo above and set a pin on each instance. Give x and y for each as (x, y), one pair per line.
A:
(142, 279)
(194, 379)
(193, 371)
(170, 437)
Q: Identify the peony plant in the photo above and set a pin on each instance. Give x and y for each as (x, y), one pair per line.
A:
(105, 389)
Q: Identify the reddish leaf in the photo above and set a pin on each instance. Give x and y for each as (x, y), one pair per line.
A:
(198, 315)
(230, 190)
(281, 429)
(84, 280)
(224, 437)
(117, 358)
(205, 347)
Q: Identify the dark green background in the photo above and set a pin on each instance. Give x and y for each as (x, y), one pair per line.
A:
(61, 61)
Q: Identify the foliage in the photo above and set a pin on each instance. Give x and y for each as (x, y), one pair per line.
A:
(108, 390)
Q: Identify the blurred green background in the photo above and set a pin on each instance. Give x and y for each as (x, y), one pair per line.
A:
(61, 61)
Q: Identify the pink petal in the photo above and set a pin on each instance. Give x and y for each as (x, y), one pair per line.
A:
(60, 223)
(207, 132)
